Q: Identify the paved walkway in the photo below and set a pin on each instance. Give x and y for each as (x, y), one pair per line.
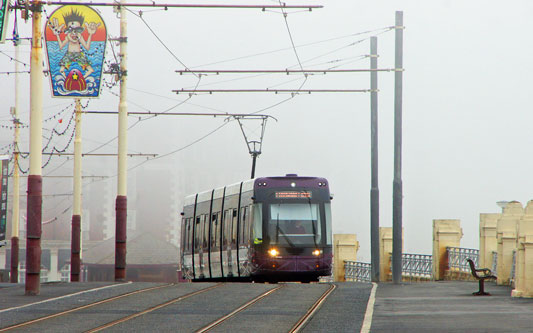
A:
(449, 306)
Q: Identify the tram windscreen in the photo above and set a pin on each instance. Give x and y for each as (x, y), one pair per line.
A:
(295, 224)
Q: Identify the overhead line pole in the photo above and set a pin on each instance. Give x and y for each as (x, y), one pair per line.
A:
(397, 196)
(374, 191)
(34, 202)
(121, 203)
(75, 247)
(15, 216)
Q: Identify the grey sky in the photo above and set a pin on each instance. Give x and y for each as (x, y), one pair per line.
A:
(467, 104)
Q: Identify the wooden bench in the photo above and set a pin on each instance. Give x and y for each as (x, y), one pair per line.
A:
(486, 274)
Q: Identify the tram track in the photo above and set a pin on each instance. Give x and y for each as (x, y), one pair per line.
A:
(309, 314)
(108, 300)
(236, 311)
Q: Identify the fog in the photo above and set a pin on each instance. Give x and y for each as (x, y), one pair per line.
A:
(466, 111)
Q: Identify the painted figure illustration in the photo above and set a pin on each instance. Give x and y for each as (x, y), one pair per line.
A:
(74, 27)
(75, 38)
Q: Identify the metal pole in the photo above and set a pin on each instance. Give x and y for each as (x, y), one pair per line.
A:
(15, 216)
(254, 158)
(34, 205)
(374, 190)
(121, 204)
(75, 257)
(397, 182)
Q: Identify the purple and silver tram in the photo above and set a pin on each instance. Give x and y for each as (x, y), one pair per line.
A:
(271, 228)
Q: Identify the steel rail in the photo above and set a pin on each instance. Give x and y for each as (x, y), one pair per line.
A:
(303, 321)
(162, 305)
(107, 300)
(172, 5)
(239, 309)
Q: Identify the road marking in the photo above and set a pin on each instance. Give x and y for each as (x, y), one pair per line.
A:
(64, 296)
(367, 322)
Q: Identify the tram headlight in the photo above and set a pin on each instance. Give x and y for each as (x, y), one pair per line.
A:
(273, 252)
(317, 252)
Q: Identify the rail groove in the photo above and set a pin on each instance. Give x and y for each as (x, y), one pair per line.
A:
(30, 322)
(162, 305)
(303, 321)
(239, 309)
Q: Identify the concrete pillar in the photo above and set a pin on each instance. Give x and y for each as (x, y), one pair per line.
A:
(524, 228)
(345, 247)
(54, 260)
(506, 236)
(527, 282)
(488, 242)
(3, 258)
(445, 233)
(385, 252)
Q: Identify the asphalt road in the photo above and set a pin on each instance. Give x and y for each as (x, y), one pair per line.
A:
(342, 311)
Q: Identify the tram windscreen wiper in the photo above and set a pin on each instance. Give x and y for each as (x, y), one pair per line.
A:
(284, 235)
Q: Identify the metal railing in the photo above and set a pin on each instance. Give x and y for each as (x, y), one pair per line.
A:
(457, 258)
(417, 265)
(357, 271)
(494, 267)
(513, 270)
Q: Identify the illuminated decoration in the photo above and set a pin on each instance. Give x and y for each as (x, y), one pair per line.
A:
(3, 198)
(75, 43)
(4, 11)
(293, 195)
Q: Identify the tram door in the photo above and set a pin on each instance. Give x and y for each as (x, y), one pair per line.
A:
(232, 243)
(226, 226)
(198, 251)
(243, 238)
(215, 245)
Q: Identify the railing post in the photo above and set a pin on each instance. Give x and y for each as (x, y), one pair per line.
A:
(446, 233)
(345, 248)
(506, 236)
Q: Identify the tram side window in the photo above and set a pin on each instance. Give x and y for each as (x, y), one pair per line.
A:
(244, 225)
(227, 227)
(184, 235)
(219, 229)
(328, 223)
(206, 230)
(189, 234)
(214, 228)
(258, 223)
(234, 227)
(197, 233)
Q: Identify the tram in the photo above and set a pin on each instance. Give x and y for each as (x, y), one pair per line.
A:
(263, 229)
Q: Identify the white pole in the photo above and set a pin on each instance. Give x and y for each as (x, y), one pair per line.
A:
(121, 203)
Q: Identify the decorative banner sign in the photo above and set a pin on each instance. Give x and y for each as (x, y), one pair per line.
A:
(4, 11)
(3, 198)
(75, 43)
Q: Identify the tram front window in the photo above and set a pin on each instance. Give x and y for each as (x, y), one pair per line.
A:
(295, 224)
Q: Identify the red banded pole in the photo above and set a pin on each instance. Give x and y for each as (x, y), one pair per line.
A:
(35, 184)
(121, 204)
(14, 276)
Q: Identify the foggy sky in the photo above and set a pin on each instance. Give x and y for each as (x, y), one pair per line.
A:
(467, 105)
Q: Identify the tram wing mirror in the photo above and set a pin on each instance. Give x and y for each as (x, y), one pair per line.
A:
(331, 195)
